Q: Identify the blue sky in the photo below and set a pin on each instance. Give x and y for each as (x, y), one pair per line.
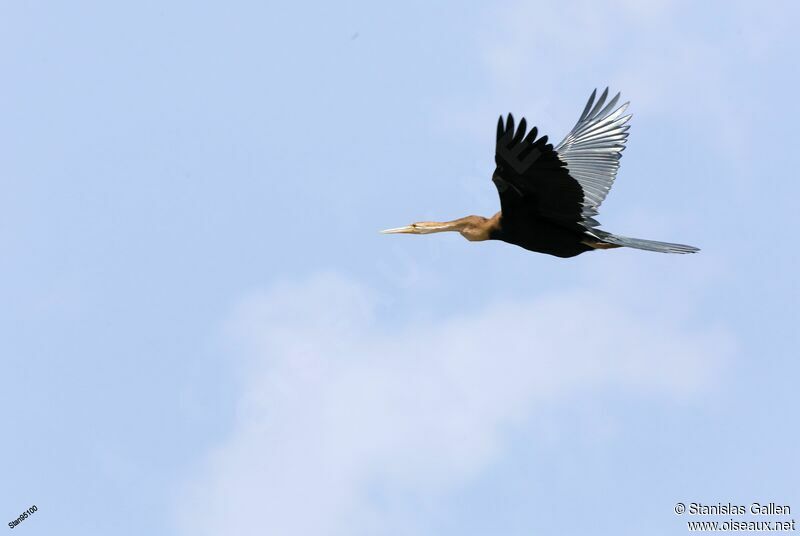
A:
(204, 333)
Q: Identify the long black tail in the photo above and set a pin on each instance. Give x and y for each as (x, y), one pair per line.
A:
(638, 243)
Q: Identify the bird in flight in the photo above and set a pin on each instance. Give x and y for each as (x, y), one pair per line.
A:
(550, 196)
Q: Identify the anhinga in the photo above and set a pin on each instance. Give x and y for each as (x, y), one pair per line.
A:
(549, 197)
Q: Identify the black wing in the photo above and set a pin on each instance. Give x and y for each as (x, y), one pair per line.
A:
(532, 180)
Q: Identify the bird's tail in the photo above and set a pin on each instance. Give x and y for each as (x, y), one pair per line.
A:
(638, 243)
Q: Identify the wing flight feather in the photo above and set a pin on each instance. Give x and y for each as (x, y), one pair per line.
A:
(593, 148)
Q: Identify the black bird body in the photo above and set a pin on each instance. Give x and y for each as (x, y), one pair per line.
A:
(549, 196)
(540, 203)
(540, 235)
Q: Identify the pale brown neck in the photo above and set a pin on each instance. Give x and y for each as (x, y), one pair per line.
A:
(473, 228)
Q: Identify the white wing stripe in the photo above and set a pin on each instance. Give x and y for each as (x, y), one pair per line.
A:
(591, 151)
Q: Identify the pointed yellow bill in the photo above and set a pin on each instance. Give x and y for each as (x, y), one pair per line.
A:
(406, 229)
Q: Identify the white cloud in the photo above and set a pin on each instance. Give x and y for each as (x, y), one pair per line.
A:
(344, 413)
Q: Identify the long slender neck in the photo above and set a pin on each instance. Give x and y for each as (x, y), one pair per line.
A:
(478, 228)
(473, 228)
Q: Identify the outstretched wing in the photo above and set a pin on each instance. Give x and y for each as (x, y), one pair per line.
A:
(592, 150)
(533, 182)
